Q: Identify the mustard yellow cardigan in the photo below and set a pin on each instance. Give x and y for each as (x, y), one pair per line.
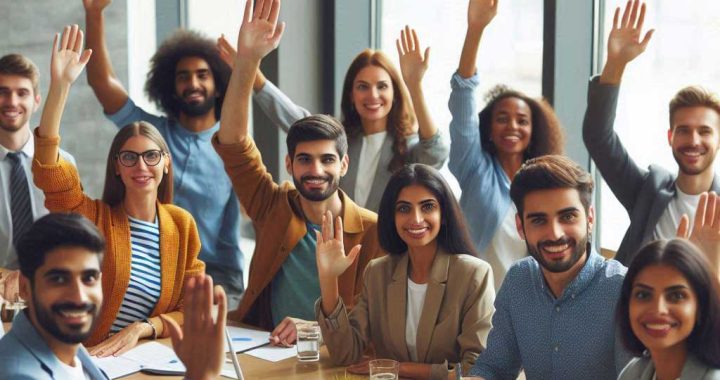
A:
(179, 242)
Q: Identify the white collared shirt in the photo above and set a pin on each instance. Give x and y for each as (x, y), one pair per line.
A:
(8, 259)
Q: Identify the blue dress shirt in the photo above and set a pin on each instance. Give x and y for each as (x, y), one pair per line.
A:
(570, 337)
(201, 187)
(25, 355)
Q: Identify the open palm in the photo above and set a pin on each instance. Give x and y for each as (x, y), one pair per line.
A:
(330, 250)
(624, 42)
(412, 63)
(481, 12)
(260, 34)
(95, 5)
(68, 59)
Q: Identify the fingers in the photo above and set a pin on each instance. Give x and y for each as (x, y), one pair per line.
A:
(415, 39)
(192, 319)
(399, 49)
(266, 8)
(626, 14)
(85, 57)
(278, 33)
(716, 221)
(284, 330)
(710, 209)
(206, 302)
(615, 19)
(699, 219)
(633, 13)
(408, 38)
(72, 38)
(683, 227)
(274, 12)
(645, 40)
(354, 253)
(77, 47)
(248, 11)
(55, 46)
(176, 334)
(641, 19)
(339, 229)
(221, 301)
(426, 58)
(65, 37)
(327, 227)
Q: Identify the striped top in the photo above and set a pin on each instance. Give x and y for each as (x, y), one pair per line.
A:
(143, 290)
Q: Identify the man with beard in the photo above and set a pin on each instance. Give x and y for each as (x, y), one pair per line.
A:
(187, 80)
(555, 311)
(283, 273)
(655, 199)
(20, 201)
(60, 264)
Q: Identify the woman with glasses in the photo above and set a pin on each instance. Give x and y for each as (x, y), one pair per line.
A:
(152, 246)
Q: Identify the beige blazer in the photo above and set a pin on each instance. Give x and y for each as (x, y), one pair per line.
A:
(453, 327)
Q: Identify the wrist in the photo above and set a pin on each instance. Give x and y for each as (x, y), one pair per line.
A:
(612, 72)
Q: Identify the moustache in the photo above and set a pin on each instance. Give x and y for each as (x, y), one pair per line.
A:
(71, 307)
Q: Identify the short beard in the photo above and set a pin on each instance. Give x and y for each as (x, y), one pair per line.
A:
(196, 109)
(48, 323)
(579, 248)
(317, 196)
(691, 171)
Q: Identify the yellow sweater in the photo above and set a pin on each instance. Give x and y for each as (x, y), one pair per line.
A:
(179, 243)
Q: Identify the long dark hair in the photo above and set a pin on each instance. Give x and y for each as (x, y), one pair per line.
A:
(401, 117)
(547, 136)
(114, 191)
(704, 340)
(453, 236)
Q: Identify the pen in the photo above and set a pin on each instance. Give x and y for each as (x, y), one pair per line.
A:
(233, 356)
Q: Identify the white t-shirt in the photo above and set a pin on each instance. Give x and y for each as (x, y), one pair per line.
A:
(415, 302)
(73, 372)
(666, 227)
(369, 158)
(506, 247)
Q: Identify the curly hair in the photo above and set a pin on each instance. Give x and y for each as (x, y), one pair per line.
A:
(547, 135)
(160, 84)
(401, 117)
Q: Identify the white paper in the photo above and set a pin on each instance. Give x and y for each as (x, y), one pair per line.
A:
(151, 355)
(272, 353)
(245, 339)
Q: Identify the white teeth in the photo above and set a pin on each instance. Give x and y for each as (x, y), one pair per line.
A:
(11, 113)
(556, 248)
(692, 154)
(76, 314)
(417, 231)
(658, 326)
(373, 106)
(315, 181)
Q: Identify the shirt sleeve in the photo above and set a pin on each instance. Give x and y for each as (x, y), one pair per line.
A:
(277, 106)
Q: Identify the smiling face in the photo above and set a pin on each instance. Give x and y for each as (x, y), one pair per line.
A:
(17, 102)
(694, 139)
(195, 86)
(141, 179)
(663, 308)
(316, 169)
(417, 216)
(555, 228)
(65, 295)
(372, 94)
(511, 126)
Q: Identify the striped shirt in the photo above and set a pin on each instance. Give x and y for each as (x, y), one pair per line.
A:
(143, 290)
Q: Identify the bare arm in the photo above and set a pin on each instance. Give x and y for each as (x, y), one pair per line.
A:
(258, 36)
(100, 74)
(413, 66)
(624, 42)
(480, 13)
(67, 62)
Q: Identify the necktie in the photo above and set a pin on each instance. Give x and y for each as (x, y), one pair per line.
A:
(20, 208)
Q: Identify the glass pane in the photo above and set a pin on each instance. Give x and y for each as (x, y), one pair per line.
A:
(683, 51)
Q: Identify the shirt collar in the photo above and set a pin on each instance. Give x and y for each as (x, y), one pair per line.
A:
(583, 279)
(205, 135)
(28, 149)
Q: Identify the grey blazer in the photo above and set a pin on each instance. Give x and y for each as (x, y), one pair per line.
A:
(645, 194)
(25, 355)
(643, 369)
(454, 325)
(433, 151)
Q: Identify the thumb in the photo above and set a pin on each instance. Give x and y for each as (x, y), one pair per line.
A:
(427, 55)
(176, 334)
(85, 57)
(684, 227)
(354, 253)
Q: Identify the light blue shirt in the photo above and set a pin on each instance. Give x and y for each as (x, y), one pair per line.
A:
(485, 187)
(296, 285)
(24, 355)
(571, 337)
(201, 187)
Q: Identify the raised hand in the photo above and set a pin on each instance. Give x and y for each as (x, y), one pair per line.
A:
(481, 12)
(68, 59)
(200, 343)
(226, 50)
(95, 5)
(706, 227)
(624, 43)
(261, 33)
(412, 63)
(330, 251)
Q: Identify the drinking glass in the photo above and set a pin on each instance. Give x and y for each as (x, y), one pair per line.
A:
(308, 342)
(384, 369)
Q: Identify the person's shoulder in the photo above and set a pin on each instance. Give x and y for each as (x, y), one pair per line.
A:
(464, 263)
(17, 361)
(634, 369)
(613, 271)
(176, 212)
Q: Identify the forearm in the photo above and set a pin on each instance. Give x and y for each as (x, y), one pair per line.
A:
(427, 128)
(418, 371)
(100, 74)
(468, 57)
(50, 121)
(329, 293)
(234, 117)
(612, 72)
(260, 80)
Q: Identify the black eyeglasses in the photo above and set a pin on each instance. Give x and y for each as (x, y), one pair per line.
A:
(129, 158)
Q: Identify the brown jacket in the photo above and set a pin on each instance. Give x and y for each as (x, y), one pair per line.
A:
(279, 225)
(453, 327)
